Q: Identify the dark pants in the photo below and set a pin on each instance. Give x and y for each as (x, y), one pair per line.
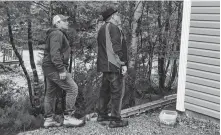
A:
(54, 86)
(111, 89)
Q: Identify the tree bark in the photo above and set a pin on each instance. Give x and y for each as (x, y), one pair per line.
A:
(176, 48)
(134, 41)
(31, 53)
(36, 88)
(133, 49)
(18, 55)
(160, 55)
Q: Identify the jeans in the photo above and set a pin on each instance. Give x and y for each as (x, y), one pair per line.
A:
(54, 86)
(111, 90)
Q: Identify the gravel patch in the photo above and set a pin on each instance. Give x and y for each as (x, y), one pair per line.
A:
(144, 124)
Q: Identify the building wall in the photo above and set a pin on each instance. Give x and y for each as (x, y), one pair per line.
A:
(202, 93)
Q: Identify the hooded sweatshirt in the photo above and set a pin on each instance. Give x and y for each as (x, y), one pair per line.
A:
(56, 52)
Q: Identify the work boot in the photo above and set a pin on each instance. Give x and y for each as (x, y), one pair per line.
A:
(101, 118)
(70, 121)
(118, 122)
(50, 122)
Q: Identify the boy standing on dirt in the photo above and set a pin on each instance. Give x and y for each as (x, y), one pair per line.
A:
(55, 63)
(112, 61)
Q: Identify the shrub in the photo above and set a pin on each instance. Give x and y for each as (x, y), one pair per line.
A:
(18, 117)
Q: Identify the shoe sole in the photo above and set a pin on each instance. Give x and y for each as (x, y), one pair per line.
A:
(69, 125)
(118, 126)
(103, 123)
(46, 127)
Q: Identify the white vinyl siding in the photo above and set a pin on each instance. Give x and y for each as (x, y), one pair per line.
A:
(202, 94)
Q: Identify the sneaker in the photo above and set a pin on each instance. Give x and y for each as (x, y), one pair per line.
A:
(50, 122)
(70, 121)
(118, 123)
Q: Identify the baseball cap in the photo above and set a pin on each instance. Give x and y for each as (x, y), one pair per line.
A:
(59, 17)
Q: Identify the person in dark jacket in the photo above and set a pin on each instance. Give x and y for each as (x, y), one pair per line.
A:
(55, 63)
(112, 62)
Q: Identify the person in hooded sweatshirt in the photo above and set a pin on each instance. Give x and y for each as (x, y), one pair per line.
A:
(55, 63)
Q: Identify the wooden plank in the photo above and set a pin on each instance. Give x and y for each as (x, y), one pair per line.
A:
(205, 53)
(205, 17)
(205, 111)
(204, 82)
(205, 10)
(203, 74)
(203, 38)
(205, 60)
(203, 67)
(205, 31)
(148, 106)
(205, 4)
(203, 96)
(203, 89)
(202, 103)
(202, 45)
(205, 24)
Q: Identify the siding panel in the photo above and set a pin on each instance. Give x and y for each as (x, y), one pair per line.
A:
(203, 67)
(203, 74)
(205, 4)
(205, 31)
(203, 96)
(202, 103)
(205, 17)
(204, 82)
(205, 10)
(203, 38)
(205, 53)
(208, 112)
(207, 24)
(206, 46)
(205, 60)
(203, 89)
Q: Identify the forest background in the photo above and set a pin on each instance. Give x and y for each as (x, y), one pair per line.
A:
(152, 30)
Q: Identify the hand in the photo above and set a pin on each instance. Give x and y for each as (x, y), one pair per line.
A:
(63, 75)
(124, 70)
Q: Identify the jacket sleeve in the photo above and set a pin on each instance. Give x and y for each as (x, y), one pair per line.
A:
(55, 51)
(115, 35)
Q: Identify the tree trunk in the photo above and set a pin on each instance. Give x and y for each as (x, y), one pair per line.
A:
(36, 88)
(133, 49)
(160, 55)
(31, 54)
(50, 12)
(134, 41)
(176, 48)
(19, 56)
(162, 70)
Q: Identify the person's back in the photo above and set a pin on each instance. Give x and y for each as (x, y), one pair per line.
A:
(49, 61)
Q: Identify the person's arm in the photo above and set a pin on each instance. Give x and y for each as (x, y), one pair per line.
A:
(55, 51)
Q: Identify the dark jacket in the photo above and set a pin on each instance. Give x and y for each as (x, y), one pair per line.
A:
(116, 47)
(56, 52)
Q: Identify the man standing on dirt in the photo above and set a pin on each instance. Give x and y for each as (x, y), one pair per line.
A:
(55, 63)
(112, 61)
